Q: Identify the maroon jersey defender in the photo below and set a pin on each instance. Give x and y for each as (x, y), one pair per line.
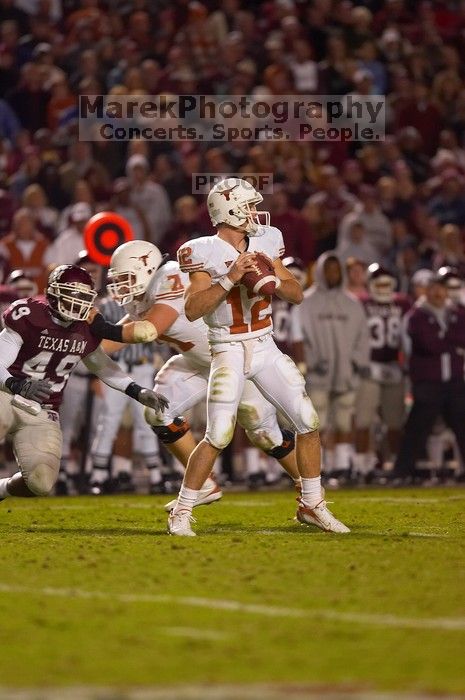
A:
(49, 350)
(39, 347)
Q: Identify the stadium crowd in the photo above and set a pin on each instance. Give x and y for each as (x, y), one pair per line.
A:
(374, 227)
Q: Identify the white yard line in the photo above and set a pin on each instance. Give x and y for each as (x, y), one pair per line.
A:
(235, 606)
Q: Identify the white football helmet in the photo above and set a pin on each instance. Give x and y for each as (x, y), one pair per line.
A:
(230, 202)
(381, 283)
(132, 266)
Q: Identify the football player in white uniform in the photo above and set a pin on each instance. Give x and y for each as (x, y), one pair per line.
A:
(151, 290)
(242, 347)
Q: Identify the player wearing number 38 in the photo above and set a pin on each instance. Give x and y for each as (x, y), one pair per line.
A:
(238, 316)
(41, 344)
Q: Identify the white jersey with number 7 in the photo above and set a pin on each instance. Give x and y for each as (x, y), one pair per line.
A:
(243, 314)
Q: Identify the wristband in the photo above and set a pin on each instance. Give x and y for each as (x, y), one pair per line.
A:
(133, 390)
(14, 384)
(226, 283)
(103, 329)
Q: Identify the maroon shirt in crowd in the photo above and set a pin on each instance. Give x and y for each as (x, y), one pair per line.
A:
(436, 348)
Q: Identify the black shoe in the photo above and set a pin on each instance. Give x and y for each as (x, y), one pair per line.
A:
(124, 483)
(61, 487)
(256, 481)
(101, 488)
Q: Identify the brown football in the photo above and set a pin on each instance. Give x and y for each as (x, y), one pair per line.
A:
(263, 278)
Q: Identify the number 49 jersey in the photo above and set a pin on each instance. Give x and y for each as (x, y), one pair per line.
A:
(49, 350)
(242, 315)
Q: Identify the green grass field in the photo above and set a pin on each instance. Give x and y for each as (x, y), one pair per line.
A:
(94, 593)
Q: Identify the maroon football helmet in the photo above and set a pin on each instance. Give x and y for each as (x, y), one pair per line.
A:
(71, 292)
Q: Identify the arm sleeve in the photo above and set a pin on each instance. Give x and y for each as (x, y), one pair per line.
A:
(10, 345)
(107, 370)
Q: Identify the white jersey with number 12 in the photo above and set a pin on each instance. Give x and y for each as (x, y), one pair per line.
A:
(243, 314)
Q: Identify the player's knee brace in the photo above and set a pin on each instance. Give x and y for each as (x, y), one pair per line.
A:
(42, 479)
(167, 434)
(285, 448)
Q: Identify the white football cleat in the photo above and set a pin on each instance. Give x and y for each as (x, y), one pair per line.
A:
(180, 523)
(320, 516)
(209, 493)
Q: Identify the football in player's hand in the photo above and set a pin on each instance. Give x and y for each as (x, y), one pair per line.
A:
(262, 280)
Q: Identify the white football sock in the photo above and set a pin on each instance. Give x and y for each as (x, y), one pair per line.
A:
(252, 461)
(3, 484)
(342, 455)
(186, 499)
(311, 491)
(155, 475)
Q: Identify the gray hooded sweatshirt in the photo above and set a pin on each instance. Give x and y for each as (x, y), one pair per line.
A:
(334, 333)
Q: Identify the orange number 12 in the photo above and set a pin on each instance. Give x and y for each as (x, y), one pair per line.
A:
(239, 325)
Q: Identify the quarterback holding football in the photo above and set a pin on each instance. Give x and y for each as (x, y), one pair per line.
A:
(232, 276)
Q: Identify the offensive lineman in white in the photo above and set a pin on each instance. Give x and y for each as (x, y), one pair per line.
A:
(151, 291)
(242, 347)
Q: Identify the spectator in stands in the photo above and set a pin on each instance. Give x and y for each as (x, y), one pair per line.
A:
(29, 100)
(451, 250)
(149, 197)
(325, 209)
(28, 172)
(368, 213)
(121, 204)
(45, 217)
(298, 236)
(357, 245)
(448, 206)
(81, 193)
(70, 241)
(9, 124)
(7, 208)
(179, 183)
(184, 227)
(25, 248)
(356, 277)
(436, 340)
(79, 162)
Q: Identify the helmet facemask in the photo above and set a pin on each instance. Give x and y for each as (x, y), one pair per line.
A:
(253, 217)
(74, 300)
(382, 289)
(123, 287)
